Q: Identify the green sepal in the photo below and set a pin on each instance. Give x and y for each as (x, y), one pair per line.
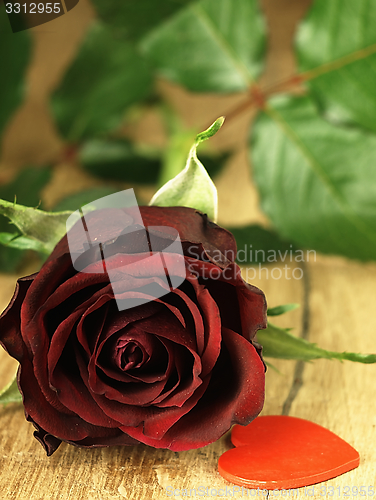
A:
(209, 132)
(192, 187)
(16, 240)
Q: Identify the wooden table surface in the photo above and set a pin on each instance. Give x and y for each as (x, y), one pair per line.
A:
(341, 304)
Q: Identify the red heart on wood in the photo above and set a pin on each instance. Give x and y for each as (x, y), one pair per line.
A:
(281, 452)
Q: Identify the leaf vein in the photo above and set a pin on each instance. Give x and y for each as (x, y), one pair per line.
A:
(339, 63)
(223, 43)
(322, 175)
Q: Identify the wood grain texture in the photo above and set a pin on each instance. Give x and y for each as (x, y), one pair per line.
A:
(339, 396)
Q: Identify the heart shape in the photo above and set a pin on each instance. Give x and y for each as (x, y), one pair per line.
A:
(282, 452)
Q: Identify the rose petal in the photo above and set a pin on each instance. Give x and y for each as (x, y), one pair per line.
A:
(74, 395)
(152, 370)
(197, 327)
(92, 322)
(235, 395)
(84, 284)
(157, 423)
(213, 333)
(45, 283)
(63, 425)
(166, 326)
(193, 226)
(10, 333)
(188, 371)
(242, 306)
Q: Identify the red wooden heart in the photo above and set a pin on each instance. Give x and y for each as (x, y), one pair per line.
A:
(281, 452)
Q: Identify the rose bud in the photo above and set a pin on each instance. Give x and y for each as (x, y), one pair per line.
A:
(174, 371)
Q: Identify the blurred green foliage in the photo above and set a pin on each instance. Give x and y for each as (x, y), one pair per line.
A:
(15, 51)
(312, 155)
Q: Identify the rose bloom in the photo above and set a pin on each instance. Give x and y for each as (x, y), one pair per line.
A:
(175, 372)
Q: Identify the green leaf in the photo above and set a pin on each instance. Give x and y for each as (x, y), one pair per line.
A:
(278, 310)
(336, 48)
(257, 244)
(119, 160)
(131, 20)
(15, 240)
(14, 57)
(47, 228)
(105, 78)
(10, 393)
(26, 188)
(179, 145)
(192, 187)
(317, 182)
(77, 200)
(211, 46)
(279, 343)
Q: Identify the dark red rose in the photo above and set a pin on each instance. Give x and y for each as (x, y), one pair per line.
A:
(172, 373)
